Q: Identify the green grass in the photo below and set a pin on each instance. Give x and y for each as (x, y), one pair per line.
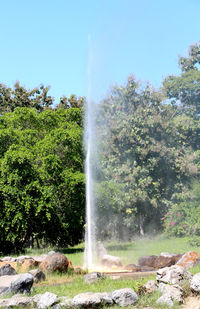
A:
(76, 285)
(129, 252)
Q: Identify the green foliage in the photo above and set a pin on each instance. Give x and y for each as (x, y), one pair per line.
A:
(144, 161)
(183, 217)
(42, 180)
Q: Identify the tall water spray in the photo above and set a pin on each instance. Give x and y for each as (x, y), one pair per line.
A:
(89, 143)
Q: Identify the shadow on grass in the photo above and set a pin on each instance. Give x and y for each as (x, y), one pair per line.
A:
(71, 250)
(117, 247)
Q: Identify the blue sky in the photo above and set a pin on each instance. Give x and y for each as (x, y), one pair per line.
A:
(46, 42)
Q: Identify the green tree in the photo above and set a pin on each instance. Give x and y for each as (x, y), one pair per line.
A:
(20, 97)
(141, 151)
(41, 177)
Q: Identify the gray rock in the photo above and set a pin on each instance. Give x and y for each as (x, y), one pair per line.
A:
(124, 297)
(36, 298)
(37, 274)
(23, 283)
(173, 275)
(47, 300)
(195, 283)
(39, 258)
(110, 260)
(175, 292)
(91, 300)
(165, 300)
(93, 277)
(22, 258)
(16, 283)
(7, 270)
(8, 259)
(158, 261)
(101, 250)
(16, 301)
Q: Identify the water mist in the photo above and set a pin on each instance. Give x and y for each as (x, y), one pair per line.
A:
(89, 144)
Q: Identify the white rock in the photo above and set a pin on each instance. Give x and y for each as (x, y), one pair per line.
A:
(173, 274)
(124, 297)
(175, 292)
(91, 300)
(47, 300)
(195, 283)
(165, 300)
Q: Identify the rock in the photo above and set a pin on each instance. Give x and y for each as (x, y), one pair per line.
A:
(36, 298)
(173, 275)
(91, 300)
(188, 260)
(195, 283)
(175, 292)
(28, 264)
(93, 277)
(22, 258)
(51, 252)
(150, 286)
(101, 250)
(23, 283)
(47, 300)
(15, 265)
(165, 300)
(16, 301)
(7, 270)
(159, 261)
(8, 259)
(38, 275)
(132, 267)
(124, 297)
(16, 284)
(40, 258)
(110, 261)
(65, 302)
(55, 262)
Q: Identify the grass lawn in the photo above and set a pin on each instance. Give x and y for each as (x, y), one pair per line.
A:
(129, 252)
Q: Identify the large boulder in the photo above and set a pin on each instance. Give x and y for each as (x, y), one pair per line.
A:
(173, 275)
(189, 259)
(29, 264)
(91, 300)
(124, 297)
(23, 283)
(16, 284)
(159, 261)
(55, 262)
(7, 270)
(195, 283)
(111, 261)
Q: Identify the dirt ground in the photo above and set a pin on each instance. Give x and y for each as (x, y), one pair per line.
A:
(192, 302)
